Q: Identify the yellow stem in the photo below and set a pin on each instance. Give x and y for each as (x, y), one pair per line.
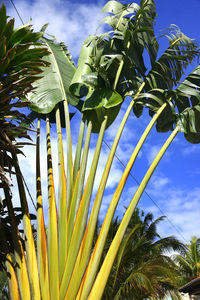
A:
(96, 255)
(101, 280)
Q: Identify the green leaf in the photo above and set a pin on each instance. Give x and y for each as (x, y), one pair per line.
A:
(101, 98)
(9, 29)
(113, 7)
(2, 47)
(166, 120)
(78, 87)
(118, 9)
(19, 34)
(44, 27)
(191, 85)
(91, 79)
(187, 99)
(54, 86)
(138, 109)
(110, 20)
(189, 123)
(167, 71)
(3, 19)
(85, 75)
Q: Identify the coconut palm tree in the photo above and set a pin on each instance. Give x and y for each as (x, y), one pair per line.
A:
(143, 268)
(189, 261)
(111, 69)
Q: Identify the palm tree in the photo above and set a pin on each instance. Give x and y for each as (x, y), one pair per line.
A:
(189, 261)
(142, 268)
(111, 69)
(21, 59)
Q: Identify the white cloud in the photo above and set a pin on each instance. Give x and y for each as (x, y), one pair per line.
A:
(181, 207)
(190, 149)
(152, 152)
(159, 181)
(69, 22)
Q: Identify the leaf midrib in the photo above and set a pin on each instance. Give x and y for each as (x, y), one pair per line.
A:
(58, 71)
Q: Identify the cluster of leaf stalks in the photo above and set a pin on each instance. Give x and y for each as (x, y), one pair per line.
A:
(111, 69)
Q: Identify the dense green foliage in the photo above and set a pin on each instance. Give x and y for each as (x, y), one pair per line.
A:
(189, 261)
(143, 267)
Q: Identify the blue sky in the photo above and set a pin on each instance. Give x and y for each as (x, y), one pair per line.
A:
(175, 186)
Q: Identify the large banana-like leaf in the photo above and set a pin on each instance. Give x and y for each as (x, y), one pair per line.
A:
(104, 54)
(188, 102)
(138, 29)
(53, 87)
(100, 100)
(78, 86)
(169, 68)
(182, 109)
(166, 73)
(109, 65)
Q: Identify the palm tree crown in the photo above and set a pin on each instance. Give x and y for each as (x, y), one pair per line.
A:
(143, 268)
(189, 261)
